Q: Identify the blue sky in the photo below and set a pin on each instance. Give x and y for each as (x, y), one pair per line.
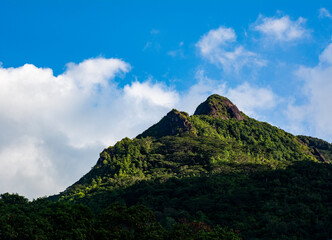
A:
(77, 76)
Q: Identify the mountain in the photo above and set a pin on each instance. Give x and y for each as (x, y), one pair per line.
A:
(217, 174)
(217, 166)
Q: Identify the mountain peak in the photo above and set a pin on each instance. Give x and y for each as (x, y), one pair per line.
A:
(173, 123)
(176, 122)
(219, 107)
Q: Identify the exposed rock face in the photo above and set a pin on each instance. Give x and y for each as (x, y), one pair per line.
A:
(318, 148)
(219, 107)
(320, 156)
(173, 123)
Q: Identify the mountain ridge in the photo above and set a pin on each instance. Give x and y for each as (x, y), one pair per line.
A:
(215, 114)
(223, 158)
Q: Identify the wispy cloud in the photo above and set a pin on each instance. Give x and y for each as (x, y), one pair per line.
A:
(281, 29)
(324, 13)
(153, 44)
(216, 38)
(177, 52)
(154, 31)
(219, 46)
(315, 117)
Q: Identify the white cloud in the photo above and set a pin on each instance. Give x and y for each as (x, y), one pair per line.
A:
(315, 116)
(199, 91)
(252, 100)
(214, 38)
(96, 71)
(326, 56)
(324, 13)
(53, 127)
(22, 160)
(154, 94)
(281, 29)
(220, 48)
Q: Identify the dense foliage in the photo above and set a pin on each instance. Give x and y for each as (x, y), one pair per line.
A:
(43, 219)
(255, 201)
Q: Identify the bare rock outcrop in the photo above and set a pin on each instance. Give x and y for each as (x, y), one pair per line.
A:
(219, 107)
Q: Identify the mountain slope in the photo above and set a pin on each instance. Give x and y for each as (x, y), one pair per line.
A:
(218, 166)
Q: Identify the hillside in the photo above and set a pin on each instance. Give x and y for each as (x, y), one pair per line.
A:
(217, 166)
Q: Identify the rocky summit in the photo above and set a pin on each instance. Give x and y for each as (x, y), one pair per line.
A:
(219, 107)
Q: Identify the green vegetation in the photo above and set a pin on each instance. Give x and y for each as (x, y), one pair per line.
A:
(43, 219)
(215, 146)
(199, 177)
(320, 148)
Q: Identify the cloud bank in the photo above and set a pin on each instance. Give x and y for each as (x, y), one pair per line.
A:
(53, 127)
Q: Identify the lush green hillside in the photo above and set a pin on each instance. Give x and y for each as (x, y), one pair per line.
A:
(220, 167)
